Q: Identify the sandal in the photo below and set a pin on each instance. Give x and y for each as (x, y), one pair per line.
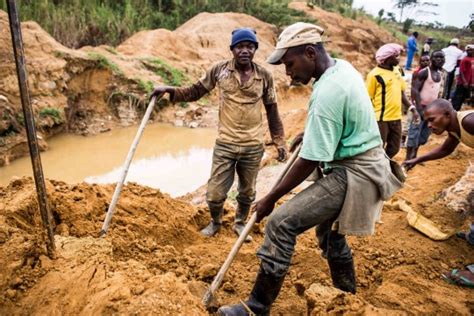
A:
(459, 277)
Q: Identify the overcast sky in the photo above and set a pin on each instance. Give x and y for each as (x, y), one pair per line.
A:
(450, 12)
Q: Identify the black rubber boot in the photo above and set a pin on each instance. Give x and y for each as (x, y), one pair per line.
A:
(239, 223)
(215, 224)
(264, 293)
(343, 275)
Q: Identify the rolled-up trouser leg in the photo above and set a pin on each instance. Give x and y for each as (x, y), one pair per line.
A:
(318, 203)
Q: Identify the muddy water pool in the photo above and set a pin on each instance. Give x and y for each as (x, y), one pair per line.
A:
(174, 160)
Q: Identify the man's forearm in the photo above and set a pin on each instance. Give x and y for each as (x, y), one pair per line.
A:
(275, 124)
(188, 94)
(300, 170)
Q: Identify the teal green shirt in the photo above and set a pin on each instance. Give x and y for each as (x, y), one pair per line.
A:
(341, 121)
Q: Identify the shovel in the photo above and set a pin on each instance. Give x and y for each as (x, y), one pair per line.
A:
(209, 295)
(422, 224)
(126, 165)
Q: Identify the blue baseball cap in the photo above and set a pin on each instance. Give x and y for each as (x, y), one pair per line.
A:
(242, 35)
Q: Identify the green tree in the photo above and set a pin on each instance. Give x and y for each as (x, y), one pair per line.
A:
(380, 16)
(408, 7)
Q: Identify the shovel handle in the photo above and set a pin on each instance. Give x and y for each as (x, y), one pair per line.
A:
(208, 296)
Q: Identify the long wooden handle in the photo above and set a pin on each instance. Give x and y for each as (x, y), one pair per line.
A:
(128, 160)
(235, 249)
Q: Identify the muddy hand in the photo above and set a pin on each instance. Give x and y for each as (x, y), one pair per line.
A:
(409, 164)
(264, 207)
(159, 91)
(296, 141)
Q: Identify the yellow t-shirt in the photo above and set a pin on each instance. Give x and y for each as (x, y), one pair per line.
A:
(385, 90)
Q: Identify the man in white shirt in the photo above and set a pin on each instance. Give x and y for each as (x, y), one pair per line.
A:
(452, 54)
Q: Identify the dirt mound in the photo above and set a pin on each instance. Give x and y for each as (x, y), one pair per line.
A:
(353, 40)
(153, 259)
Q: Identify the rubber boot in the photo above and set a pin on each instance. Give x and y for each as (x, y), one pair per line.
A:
(239, 223)
(216, 222)
(343, 275)
(264, 293)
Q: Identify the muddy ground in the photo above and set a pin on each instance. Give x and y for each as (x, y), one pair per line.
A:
(153, 259)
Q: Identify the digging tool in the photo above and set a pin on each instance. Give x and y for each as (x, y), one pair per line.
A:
(17, 44)
(209, 295)
(128, 160)
(422, 224)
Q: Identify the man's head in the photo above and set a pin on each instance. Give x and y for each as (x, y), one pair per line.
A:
(424, 61)
(300, 48)
(438, 115)
(454, 42)
(415, 34)
(429, 40)
(243, 45)
(470, 50)
(437, 59)
(388, 55)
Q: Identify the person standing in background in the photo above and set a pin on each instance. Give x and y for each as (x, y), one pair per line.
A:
(386, 89)
(411, 49)
(465, 80)
(426, 50)
(452, 55)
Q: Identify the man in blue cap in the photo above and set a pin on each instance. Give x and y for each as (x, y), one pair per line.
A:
(244, 86)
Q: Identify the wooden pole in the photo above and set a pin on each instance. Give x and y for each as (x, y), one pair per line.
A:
(17, 43)
(128, 160)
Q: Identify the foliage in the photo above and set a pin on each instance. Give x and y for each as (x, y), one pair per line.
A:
(145, 86)
(104, 63)
(380, 16)
(52, 112)
(410, 6)
(407, 25)
(170, 75)
(97, 22)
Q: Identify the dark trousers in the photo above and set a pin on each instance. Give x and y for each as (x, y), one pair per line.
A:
(317, 206)
(448, 85)
(460, 95)
(391, 133)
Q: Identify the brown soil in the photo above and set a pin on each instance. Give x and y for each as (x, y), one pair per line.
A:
(153, 259)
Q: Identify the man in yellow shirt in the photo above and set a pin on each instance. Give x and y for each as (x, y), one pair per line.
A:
(386, 86)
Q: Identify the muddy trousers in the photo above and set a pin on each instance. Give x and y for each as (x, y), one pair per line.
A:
(227, 160)
(317, 206)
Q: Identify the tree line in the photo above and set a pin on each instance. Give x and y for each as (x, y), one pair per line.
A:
(76, 23)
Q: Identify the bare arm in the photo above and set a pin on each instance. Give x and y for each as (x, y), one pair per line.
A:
(301, 169)
(416, 87)
(405, 102)
(439, 152)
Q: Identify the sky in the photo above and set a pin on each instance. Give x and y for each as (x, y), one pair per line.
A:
(450, 12)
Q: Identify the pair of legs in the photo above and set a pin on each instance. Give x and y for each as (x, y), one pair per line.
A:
(448, 85)
(317, 206)
(410, 55)
(227, 160)
(391, 133)
(460, 95)
(418, 134)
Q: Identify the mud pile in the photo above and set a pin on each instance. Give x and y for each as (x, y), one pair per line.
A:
(353, 40)
(153, 259)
